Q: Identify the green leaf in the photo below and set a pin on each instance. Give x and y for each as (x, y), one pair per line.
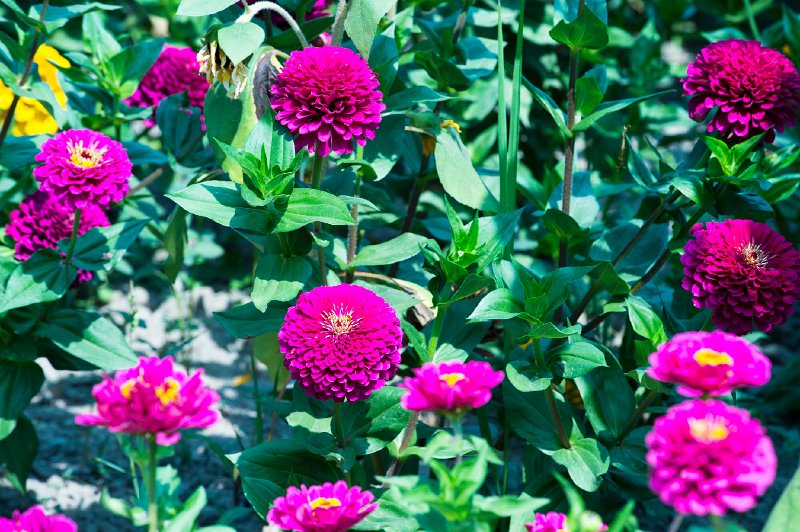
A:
(645, 321)
(267, 351)
(43, 277)
(525, 383)
(181, 129)
(279, 278)
(98, 39)
(494, 232)
(532, 419)
(187, 517)
(229, 121)
(198, 8)
(414, 96)
(246, 321)
(240, 40)
(89, 337)
(612, 107)
(785, 514)
(221, 202)
(500, 304)
(548, 104)
(175, 239)
(274, 139)
(268, 469)
(607, 396)
(574, 359)
(457, 175)
(102, 247)
(395, 250)
(586, 461)
(586, 31)
(18, 451)
(389, 515)
(19, 383)
(372, 424)
(362, 21)
(287, 40)
(308, 205)
(588, 95)
(469, 286)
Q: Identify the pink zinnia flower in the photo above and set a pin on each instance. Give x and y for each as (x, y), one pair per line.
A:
(153, 398)
(707, 458)
(555, 522)
(744, 271)
(41, 222)
(753, 89)
(34, 519)
(175, 71)
(327, 97)
(712, 363)
(450, 386)
(325, 508)
(341, 342)
(82, 167)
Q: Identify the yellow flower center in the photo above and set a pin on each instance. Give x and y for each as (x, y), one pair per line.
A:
(452, 378)
(754, 255)
(85, 157)
(709, 357)
(169, 391)
(325, 503)
(127, 387)
(710, 429)
(339, 322)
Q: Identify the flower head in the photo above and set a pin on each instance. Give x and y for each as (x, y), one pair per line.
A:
(175, 71)
(153, 398)
(325, 508)
(744, 271)
(754, 89)
(41, 222)
(341, 342)
(216, 66)
(82, 167)
(709, 363)
(34, 519)
(450, 386)
(556, 522)
(328, 98)
(707, 458)
(31, 117)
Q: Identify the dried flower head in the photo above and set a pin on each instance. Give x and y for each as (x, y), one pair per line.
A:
(216, 66)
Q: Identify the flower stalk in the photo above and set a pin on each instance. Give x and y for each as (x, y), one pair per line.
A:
(254, 9)
(150, 481)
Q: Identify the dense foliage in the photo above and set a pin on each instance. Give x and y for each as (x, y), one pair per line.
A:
(509, 265)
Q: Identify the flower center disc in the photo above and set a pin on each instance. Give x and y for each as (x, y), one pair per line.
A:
(340, 322)
(325, 503)
(83, 157)
(709, 357)
(452, 378)
(709, 429)
(753, 255)
(169, 391)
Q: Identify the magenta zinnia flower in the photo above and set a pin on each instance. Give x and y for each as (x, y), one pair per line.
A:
(153, 398)
(450, 386)
(709, 363)
(41, 222)
(327, 97)
(707, 458)
(82, 167)
(175, 71)
(753, 89)
(34, 519)
(744, 271)
(555, 522)
(325, 508)
(341, 342)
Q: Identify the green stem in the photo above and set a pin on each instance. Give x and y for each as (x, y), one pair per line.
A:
(152, 497)
(751, 19)
(352, 232)
(257, 398)
(73, 240)
(337, 33)
(551, 400)
(718, 523)
(676, 523)
(637, 415)
(458, 433)
(338, 428)
(408, 433)
(437, 329)
(316, 181)
(569, 150)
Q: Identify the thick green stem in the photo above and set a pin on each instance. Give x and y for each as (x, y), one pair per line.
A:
(254, 9)
(73, 240)
(569, 150)
(551, 400)
(337, 33)
(352, 232)
(152, 496)
(751, 19)
(641, 408)
(257, 399)
(316, 181)
(408, 433)
(458, 433)
(437, 329)
(338, 428)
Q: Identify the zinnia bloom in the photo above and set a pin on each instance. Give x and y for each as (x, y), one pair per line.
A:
(325, 508)
(753, 89)
(450, 386)
(82, 167)
(35, 520)
(153, 398)
(341, 342)
(327, 97)
(744, 271)
(175, 71)
(707, 458)
(556, 522)
(41, 222)
(30, 116)
(712, 363)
